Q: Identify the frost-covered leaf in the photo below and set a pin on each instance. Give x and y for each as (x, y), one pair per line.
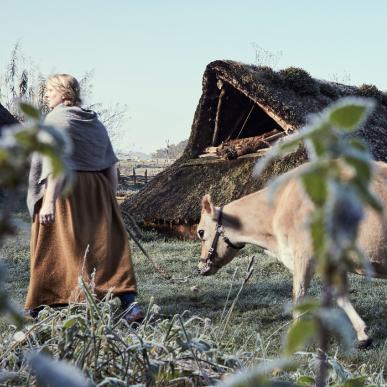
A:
(29, 110)
(349, 113)
(306, 381)
(307, 305)
(69, 323)
(338, 325)
(300, 332)
(52, 136)
(201, 345)
(367, 196)
(315, 185)
(318, 232)
(7, 137)
(56, 373)
(6, 376)
(19, 336)
(258, 376)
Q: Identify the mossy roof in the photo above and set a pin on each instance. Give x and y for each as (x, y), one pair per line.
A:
(291, 94)
(6, 118)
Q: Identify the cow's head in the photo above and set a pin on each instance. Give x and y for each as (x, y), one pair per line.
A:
(224, 250)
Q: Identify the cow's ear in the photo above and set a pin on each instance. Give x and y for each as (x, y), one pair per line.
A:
(207, 205)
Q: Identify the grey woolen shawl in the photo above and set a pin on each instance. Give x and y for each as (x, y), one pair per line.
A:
(91, 147)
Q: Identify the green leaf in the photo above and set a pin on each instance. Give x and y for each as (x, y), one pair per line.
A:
(307, 305)
(348, 116)
(57, 163)
(306, 380)
(316, 186)
(367, 196)
(290, 145)
(316, 145)
(25, 138)
(362, 167)
(318, 233)
(29, 110)
(299, 333)
(358, 144)
(69, 324)
(60, 139)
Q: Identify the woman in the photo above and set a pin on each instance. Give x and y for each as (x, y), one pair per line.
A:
(82, 233)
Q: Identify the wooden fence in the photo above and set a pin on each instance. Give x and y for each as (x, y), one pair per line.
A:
(141, 177)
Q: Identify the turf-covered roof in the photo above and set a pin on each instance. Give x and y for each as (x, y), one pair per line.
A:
(6, 118)
(291, 94)
(288, 96)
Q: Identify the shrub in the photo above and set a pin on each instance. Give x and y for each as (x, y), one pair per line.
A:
(367, 90)
(268, 74)
(329, 90)
(300, 81)
(384, 98)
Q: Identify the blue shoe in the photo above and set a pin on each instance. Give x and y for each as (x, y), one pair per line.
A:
(133, 314)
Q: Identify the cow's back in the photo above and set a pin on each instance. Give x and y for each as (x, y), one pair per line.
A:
(290, 225)
(373, 230)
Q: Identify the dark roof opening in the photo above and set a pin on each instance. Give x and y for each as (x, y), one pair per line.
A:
(6, 118)
(240, 117)
(240, 125)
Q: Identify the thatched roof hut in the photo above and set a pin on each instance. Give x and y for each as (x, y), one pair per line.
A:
(6, 118)
(242, 104)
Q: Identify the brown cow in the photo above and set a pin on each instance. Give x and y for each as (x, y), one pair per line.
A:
(278, 226)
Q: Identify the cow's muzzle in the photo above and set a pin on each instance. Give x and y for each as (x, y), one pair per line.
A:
(206, 267)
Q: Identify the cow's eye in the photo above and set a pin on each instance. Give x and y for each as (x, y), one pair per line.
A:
(201, 234)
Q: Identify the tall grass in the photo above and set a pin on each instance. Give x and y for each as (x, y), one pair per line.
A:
(195, 336)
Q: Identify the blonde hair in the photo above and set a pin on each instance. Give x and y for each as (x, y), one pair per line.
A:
(68, 86)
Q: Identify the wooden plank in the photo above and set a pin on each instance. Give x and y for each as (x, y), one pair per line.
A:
(235, 148)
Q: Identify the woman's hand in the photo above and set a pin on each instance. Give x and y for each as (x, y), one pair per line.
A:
(47, 213)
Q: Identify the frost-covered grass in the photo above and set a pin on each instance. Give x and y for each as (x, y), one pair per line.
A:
(253, 332)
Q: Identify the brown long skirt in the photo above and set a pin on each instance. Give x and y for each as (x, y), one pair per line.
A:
(89, 216)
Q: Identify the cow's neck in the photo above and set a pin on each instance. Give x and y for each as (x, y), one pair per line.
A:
(255, 214)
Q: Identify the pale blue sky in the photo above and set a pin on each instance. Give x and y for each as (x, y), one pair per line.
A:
(150, 55)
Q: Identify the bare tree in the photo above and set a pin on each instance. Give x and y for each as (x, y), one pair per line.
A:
(344, 77)
(172, 151)
(22, 80)
(265, 57)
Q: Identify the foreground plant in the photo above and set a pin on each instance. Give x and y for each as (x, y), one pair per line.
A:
(92, 336)
(17, 143)
(337, 181)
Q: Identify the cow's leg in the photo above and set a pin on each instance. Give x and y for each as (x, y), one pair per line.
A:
(302, 274)
(358, 324)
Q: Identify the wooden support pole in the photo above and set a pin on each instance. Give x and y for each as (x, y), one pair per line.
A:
(146, 176)
(217, 117)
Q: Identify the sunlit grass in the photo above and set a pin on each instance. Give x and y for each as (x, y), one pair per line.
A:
(259, 320)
